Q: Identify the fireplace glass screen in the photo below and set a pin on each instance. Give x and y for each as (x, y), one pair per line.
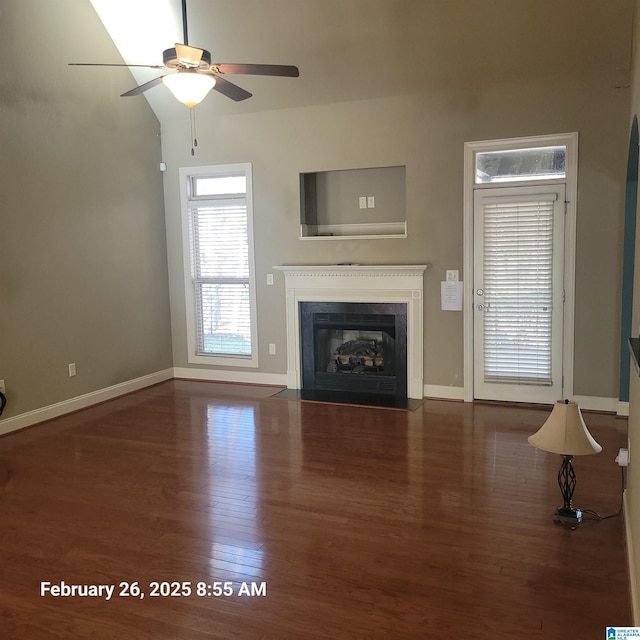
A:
(359, 347)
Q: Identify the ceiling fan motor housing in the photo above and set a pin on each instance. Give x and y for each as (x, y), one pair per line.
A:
(171, 60)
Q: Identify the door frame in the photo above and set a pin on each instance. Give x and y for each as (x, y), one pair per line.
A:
(570, 140)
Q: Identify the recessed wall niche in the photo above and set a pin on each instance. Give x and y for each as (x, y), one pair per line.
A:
(352, 203)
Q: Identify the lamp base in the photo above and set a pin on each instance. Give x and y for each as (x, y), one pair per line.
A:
(567, 515)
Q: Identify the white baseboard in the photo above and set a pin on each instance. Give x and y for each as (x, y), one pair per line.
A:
(589, 403)
(623, 409)
(220, 375)
(633, 578)
(595, 403)
(247, 377)
(442, 392)
(82, 402)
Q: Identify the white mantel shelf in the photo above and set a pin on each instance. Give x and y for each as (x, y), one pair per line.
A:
(357, 283)
(329, 270)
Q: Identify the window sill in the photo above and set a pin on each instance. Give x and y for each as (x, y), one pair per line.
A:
(224, 361)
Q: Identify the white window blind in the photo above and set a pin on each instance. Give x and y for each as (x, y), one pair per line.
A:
(518, 285)
(221, 278)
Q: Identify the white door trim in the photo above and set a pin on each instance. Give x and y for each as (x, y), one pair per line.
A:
(571, 181)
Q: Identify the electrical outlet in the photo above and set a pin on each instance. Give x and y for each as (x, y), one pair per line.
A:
(269, 279)
(371, 202)
(72, 369)
(362, 202)
(2, 387)
(623, 457)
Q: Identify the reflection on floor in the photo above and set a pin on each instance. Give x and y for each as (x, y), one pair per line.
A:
(271, 518)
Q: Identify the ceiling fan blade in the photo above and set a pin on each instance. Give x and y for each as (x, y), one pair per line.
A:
(190, 56)
(107, 64)
(285, 70)
(231, 90)
(143, 87)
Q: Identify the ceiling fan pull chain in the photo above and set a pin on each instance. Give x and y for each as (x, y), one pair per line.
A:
(192, 118)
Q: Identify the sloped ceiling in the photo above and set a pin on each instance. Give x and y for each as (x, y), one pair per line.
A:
(358, 49)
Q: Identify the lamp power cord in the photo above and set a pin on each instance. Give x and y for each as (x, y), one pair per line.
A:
(594, 516)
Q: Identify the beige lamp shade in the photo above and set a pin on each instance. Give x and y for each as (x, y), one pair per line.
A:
(189, 87)
(565, 432)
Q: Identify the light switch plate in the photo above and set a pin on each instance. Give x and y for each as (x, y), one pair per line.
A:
(453, 275)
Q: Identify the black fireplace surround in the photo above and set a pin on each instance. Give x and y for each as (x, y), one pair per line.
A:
(357, 348)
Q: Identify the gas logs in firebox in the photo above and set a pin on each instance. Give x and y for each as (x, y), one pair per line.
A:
(357, 356)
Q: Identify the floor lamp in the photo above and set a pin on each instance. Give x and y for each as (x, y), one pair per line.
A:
(565, 433)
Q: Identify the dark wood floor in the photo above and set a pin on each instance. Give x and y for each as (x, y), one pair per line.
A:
(358, 522)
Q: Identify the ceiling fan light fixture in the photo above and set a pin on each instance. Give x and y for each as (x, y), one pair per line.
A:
(189, 87)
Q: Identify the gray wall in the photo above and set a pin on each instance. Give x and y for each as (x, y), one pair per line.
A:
(83, 271)
(492, 77)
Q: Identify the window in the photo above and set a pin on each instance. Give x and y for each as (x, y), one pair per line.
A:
(219, 272)
(512, 165)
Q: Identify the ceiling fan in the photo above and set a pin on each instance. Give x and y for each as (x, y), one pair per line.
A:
(193, 74)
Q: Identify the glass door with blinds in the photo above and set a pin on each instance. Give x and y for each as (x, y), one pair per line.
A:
(518, 293)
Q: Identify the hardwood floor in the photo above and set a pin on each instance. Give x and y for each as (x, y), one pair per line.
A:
(357, 522)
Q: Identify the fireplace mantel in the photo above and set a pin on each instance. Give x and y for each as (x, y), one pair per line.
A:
(357, 283)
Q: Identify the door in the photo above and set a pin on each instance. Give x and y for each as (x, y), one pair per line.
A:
(518, 293)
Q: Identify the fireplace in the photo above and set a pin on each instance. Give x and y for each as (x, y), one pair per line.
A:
(362, 299)
(354, 347)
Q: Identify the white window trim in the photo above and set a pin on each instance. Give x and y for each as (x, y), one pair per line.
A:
(570, 140)
(186, 173)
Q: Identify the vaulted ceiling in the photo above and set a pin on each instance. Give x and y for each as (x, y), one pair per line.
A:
(359, 49)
